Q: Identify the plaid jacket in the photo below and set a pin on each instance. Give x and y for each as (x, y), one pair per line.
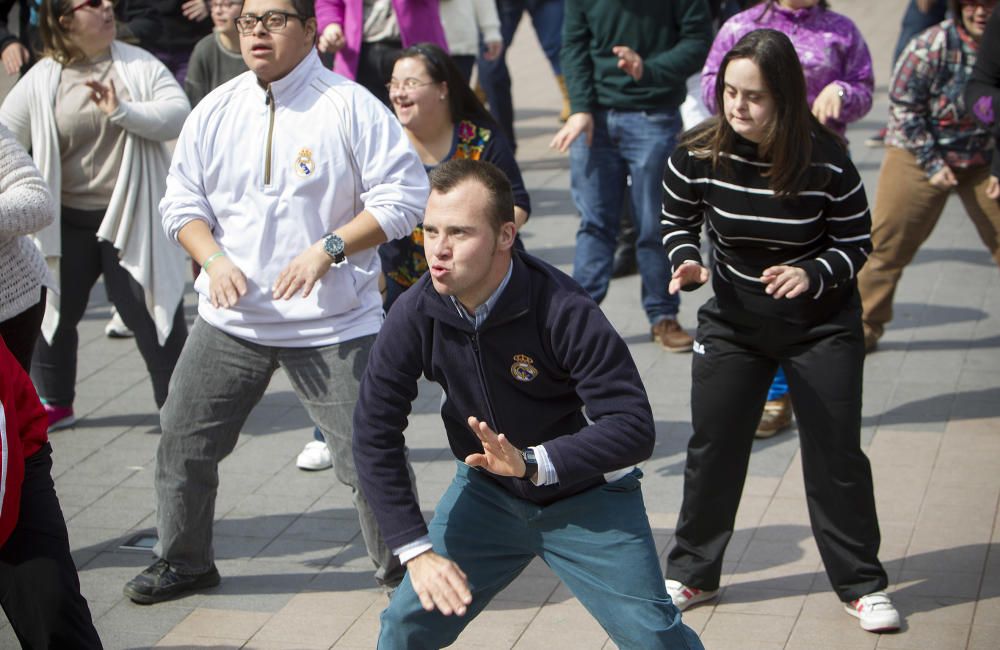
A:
(927, 114)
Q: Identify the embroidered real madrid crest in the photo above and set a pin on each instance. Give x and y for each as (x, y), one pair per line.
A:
(304, 165)
(522, 368)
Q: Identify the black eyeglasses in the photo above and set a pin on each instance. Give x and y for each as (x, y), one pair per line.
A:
(93, 4)
(273, 21)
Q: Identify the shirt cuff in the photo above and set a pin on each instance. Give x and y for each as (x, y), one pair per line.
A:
(408, 551)
(546, 470)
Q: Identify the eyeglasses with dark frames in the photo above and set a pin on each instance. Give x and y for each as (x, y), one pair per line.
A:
(273, 21)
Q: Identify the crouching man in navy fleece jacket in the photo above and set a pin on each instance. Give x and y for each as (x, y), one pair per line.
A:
(521, 352)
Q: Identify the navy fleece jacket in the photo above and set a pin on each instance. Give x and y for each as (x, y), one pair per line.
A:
(545, 354)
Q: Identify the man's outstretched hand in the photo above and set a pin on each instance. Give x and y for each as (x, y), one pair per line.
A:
(439, 584)
(499, 456)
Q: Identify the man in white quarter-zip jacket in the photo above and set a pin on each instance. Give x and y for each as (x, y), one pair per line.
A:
(283, 182)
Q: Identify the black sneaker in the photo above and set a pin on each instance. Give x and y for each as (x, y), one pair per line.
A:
(159, 582)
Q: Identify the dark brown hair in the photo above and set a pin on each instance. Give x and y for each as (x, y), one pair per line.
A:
(789, 138)
(55, 40)
(462, 102)
(449, 174)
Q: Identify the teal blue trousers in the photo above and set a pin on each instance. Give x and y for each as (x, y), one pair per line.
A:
(598, 542)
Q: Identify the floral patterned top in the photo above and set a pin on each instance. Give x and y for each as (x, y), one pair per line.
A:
(403, 260)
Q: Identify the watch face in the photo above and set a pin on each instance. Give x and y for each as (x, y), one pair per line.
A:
(334, 246)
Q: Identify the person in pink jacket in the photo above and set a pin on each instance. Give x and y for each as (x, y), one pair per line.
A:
(366, 36)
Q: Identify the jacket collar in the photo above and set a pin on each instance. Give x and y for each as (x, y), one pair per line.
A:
(513, 302)
(295, 81)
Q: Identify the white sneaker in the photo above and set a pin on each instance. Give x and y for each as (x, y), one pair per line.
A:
(875, 611)
(684, 596)
(116, 329)
(315, 456)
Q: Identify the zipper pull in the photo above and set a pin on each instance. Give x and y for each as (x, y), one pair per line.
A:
(268, 97)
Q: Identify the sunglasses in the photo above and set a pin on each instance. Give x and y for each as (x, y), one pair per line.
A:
(93, 4)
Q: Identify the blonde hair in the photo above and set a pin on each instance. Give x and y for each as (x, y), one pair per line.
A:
(55, 40)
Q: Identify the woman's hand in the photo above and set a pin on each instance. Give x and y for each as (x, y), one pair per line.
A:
(943, 179)
(785, 281)
(226, 283)
(828, 103)
(104, 96)
(332, 40)
(993, 188)
(688, 272)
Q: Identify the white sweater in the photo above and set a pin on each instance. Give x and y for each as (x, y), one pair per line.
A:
(152, 118)
(25, 208)
(464, 19)
(333, 151)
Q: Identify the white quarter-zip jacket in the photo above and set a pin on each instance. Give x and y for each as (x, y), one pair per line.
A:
(271, 170)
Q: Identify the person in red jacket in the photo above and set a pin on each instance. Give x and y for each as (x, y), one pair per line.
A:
(39, 586)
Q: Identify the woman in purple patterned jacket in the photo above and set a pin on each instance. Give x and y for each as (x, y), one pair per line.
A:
(834, 56)
(839, 83)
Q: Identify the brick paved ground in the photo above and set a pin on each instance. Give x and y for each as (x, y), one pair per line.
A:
(294, 570)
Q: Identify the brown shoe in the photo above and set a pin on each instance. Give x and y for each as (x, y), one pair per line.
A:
(671, 336)
(777, 416)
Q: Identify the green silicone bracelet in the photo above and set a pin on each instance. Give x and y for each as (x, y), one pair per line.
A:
(212, 257)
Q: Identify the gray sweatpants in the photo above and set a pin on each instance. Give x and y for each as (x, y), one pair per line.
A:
(217, 382)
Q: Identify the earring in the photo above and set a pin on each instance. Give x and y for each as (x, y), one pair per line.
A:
(442, 97)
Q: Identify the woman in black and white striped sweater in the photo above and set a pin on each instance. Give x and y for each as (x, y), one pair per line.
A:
(789, 221)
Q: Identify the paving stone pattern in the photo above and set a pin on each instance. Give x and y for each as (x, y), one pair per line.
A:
(294, 570)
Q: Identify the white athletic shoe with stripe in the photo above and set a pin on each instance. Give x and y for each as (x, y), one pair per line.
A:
(875, 612)
(684, 596)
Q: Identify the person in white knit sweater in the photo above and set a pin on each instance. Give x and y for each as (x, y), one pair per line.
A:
(25, 208)
(96, 115)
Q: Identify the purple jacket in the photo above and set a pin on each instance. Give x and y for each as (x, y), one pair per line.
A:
(419, 22)
(830, 49)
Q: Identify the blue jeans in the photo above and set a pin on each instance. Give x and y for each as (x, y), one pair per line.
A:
(626, 144)
(779, 386)
(547, 19)
(598, 542)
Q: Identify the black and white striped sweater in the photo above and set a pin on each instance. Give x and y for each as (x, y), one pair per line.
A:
(824, 229)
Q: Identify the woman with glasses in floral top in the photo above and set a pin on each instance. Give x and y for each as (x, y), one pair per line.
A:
(444, 120)
(934, 147)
